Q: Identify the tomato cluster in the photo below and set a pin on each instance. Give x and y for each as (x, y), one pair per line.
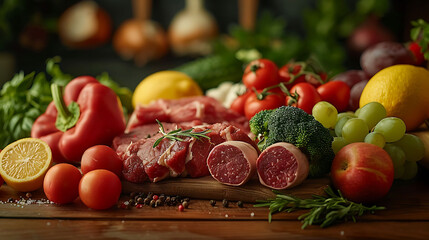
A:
(101, 167)
(297, 84)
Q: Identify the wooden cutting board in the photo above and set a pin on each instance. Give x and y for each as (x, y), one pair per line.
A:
(208, 188)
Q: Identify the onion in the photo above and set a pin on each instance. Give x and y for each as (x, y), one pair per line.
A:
(84, 25)
(192, 30)
(141, 40)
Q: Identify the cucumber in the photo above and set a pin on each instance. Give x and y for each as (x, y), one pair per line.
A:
(213, 70)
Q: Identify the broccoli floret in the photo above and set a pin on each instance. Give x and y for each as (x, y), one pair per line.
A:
(259, 126)
(293, 125)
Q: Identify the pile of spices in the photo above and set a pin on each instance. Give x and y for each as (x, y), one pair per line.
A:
(139, 199)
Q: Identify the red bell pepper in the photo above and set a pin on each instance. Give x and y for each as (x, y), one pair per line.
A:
(89, 114)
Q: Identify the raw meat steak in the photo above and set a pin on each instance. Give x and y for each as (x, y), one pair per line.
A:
(203, 108)
(281, 166)
(232, 162)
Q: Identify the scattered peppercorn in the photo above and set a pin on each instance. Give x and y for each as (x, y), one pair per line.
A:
(158, 203)
(149, 195)
(131, 202)
(185, 204)
(10, 200)
(186, 199)
(162, 197)
(181, 208)
(146, 201)
(133, 194)
(152, 203)
(225, 203)
(173, 201)
(28, 195)
(155, 197)
(140, 200)
(213, 203)
(139, 205)
(240, 204)
(167, 200)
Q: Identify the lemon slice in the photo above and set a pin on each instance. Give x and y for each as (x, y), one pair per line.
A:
(23, 164)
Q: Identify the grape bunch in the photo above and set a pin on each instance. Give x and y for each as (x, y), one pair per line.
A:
(371, 125)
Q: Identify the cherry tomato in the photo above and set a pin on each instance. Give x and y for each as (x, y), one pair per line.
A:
(260, 74)
(238, 104)
(100, 189)
(101, 157)
(335, 92)
(254, 105)
(304, 96)
(415, 48)
(288, 71)
(295, 69)
(61, 183)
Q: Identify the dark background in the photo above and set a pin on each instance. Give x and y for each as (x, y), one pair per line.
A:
(104, 58)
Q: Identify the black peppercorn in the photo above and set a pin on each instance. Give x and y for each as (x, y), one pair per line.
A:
(167, 200)
(133, 194)
(28, 195)
(240, 204)
(140, 200)
(225, 203)
(213, 203)
(146, 201)
(162, 197)
(185, 204)
(158, 203)
(152, 203)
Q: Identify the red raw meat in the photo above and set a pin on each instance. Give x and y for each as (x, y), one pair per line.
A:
(232, 162)
(281, 166)
(203, 108)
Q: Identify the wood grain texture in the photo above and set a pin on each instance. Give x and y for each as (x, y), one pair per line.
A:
(49, 229)
(208, 188)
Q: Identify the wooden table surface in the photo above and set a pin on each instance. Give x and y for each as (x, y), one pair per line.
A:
(406, 217)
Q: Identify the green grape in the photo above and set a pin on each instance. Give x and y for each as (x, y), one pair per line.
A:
(338, 143)
(376, 139)
(343, 114)
(357, 112)
(398, 158)
(340, 124)
(354, 130)
(325, 113)
(412, 146)
(411, 170)
(372, 113)
(392, 128)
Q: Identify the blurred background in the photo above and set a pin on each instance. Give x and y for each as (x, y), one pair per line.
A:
(31, 31)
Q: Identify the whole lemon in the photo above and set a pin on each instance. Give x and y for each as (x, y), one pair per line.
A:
(165, 85)
(403, 91)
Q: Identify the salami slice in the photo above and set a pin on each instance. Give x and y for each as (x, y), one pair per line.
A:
(232, 162)
(281, 166)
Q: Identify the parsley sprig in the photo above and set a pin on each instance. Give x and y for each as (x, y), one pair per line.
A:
(324, 211)
(178, 134)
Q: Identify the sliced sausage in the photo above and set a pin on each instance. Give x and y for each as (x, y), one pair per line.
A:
(232, 162)
(281, 166)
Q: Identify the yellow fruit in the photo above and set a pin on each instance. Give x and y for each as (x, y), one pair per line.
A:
(23, 164)
(165, 85)
(402, 89)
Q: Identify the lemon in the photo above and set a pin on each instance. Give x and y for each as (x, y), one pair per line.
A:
(165, 85)
(23, 164)
(402, 90)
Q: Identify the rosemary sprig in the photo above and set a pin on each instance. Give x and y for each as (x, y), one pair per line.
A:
(324, 211)
(178, 133)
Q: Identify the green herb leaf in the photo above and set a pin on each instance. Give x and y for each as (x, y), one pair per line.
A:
(324, 211)
(178, 134)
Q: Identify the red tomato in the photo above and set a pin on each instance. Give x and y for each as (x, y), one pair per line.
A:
(260, 74)
(415, 48)
(100, 189)
(254, 105)
(61, 183)
(288, 71)
(304, 96)
(335, 92)
(101, 157)
(238, 104)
